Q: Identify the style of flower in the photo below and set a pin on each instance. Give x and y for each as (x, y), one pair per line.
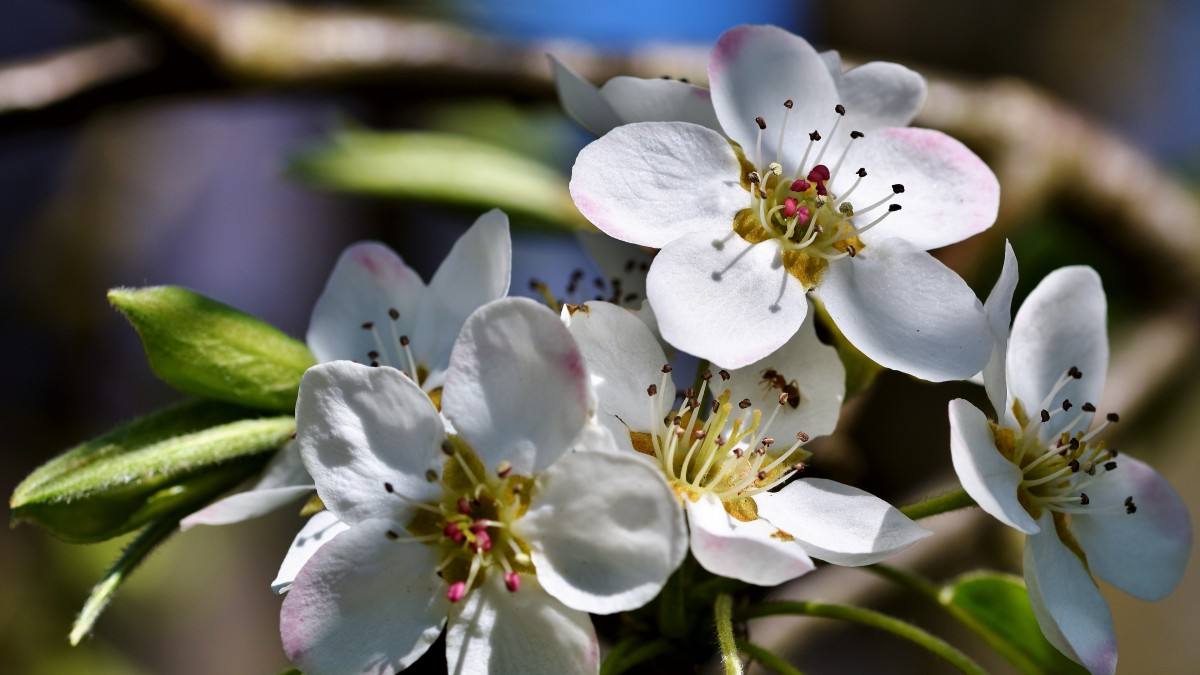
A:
(725, 458)
(376, 310)
(507, 521)
(1043, 469)
(750, 220)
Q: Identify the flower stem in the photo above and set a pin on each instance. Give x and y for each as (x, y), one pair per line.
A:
(723, 617)
(768, 659)
(873, 619)
(951, 501)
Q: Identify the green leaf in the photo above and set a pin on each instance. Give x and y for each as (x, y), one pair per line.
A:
(210, 350)
(997, 607)
(440, 167)
(180, 456)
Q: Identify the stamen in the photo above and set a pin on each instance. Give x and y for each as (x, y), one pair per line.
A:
(841, 112)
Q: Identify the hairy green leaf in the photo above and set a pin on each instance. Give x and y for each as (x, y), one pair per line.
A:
(440, 167)
(210, 350)
(183, 455)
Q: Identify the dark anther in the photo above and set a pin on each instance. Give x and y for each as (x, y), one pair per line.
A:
(391, 534)
(373, 354)
(744, 403)
(1074, 443)
(802, 437)
(1087, 407)
(393, 313)
(1083, 499)
(374, 364)
(683, 80)
(724, 375)
(814, 136)
(1109, 466)
(893, 207)
(652, 390)
(1074, 372)
(1045, 415)
(898, 188)
(1066, 404)
(788, 104)
(667, 368)
(856, 134)
(850, 250)
(839, 109)
(1074, 464)
(715, 406)
(630, 297)
(1113, 417)
(431, 475)
(706, 375)
(448, 448)
(762, 124)
(762, 475)
(1130, 507)
(389, 487)
(862, 173)
(368, 325)
(768, 442)
(403, 340)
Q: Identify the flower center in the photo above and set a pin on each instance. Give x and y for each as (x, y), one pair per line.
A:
(796, 206)
(728, 453)
(1057, 473)
(471, 525)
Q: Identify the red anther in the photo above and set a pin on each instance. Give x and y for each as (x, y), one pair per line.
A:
(512, 581)
(802, 215)
(822, 190)
(483, 542)
(464, 506)
(800, 185)
(819, 173)
(790, 207)
(478, 527)
(457, 591)
(454, 533)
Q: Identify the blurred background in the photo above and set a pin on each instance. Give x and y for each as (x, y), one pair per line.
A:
(185, 142)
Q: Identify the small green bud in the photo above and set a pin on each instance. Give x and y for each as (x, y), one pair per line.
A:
(210, 350)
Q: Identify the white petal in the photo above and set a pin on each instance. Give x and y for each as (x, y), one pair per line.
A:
(732, 303)
(363, 604)
(752, 552)
(497, 632)
(949, 193)
(989, 477)
(818, 375)
(658, 100)
(475, 272)
(318, 531)
(880, 94)
(361, 429)
(623, 358)
(1068, 606)
(833, 61)
(1143, 553)
(651, 182)
(282, 482)
(838, 523)
(998, 308)
(605, 531)
(582, 100)
(517, 389)
(752, 71)
(908, 312)
(1061, 324)
(368, 280)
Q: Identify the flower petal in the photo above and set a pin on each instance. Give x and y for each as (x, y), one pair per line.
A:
(365, 432)
(318, 531)
(729, 301)
(752, 71)
(752, 551)
(498, 632)
(989, 477)
(1069, 608)
(283, 481)
(651, 182)
(658, 100)
(1143, 553)
(1061, 324)
(998, 308)
(880, 94)
(475, 272)
(363, 604)
(517, 389)
(582, 100)
(368, 280)
(605, 531)
(833, 61)
(819, 378)
(838, 523)
(949, 193)
(908, 312)
(623, 358)
(619, 260)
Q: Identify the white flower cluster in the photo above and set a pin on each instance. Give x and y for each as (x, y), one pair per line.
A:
(497, 471)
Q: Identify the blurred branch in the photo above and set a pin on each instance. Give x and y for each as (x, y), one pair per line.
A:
(34, 83)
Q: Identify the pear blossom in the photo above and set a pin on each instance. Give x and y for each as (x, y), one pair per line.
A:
(376, 310)
(1042, 468)
(724, 460)
(505, 521)
(752, 218)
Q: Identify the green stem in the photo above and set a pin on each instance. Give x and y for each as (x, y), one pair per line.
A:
(723, 617)
(137, 551)
(630, 653)
(873, 619)
(768, 659)
(909, 580)
(958, 499)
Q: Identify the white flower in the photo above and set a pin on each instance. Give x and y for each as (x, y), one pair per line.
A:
(508, 530)
(751, 220)
(1042, 468)
(376, 309)
(723, 467)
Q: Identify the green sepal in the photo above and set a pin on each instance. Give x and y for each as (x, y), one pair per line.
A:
(997, 607)
(180, 456)
(210, 350)
(440, 167)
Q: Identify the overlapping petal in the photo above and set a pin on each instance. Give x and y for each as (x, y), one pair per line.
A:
(660, 100)
(283, 481)
(990, 478)
(998, 308)
(754, 552)
(318, 531)
(582, 100)
(880, 94)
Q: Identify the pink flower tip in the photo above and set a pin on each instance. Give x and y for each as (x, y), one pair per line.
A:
(457, 591)
(512, 581)
(453, 532)
(483, 542)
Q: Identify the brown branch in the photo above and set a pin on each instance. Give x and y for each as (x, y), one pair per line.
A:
(31, 84)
